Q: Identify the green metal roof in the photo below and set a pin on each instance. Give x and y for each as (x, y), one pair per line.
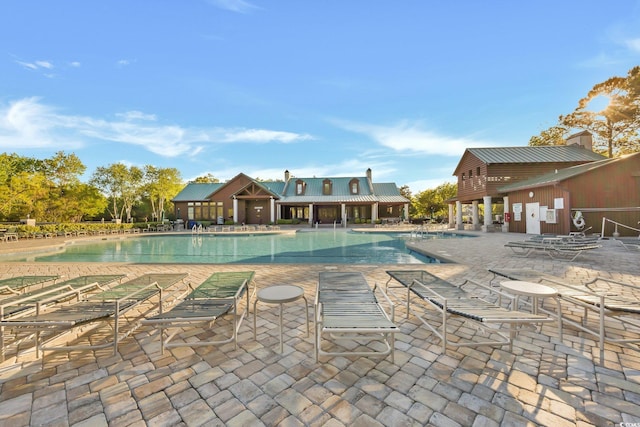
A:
(274, 186)
(341, 191)
(557, 176)
(339, 187)
(539, 154)
(196, 191)
(388, 192)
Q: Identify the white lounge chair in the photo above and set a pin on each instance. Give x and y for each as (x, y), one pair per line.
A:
(615, 301)
(347, 309)
(111, 305)
(19, 284)
(218, 295)
(556, 248)
(451, 300)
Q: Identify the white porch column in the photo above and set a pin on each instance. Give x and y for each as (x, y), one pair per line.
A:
(505, 223)
(374, 212)
(406, 211)
(459, 224)
(311, 218)
(488, 219)
(273, 209)
(475, 218)
(343, 214)
(451, 219)
(235, 210)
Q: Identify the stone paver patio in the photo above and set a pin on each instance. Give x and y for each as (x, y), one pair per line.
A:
(542, 381)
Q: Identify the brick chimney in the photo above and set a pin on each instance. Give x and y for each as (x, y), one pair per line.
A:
(286, 176)
(582, 139)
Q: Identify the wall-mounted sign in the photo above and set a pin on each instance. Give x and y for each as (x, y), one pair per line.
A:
(517, 211)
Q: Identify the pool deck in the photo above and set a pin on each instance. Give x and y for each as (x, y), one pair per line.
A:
(541, 381)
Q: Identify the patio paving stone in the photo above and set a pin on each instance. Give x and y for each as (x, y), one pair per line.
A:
(542, 381)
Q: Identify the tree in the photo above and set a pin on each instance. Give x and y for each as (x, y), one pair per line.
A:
(615, 128)
(206, 179)
(160, 186)
(39, 188)
(63, 169)
(83, 200)
(122, 185)
(26, 195)
(432, 203)
(555, 135)
(63, 172)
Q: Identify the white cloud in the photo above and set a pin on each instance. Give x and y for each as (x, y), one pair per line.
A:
(137, 115)
(633, 44)
(407, 136)
(36, 65)
(44, 64)
(239, 6)
(75, 64)
(29, 123)
(261, 135)
(28, 65)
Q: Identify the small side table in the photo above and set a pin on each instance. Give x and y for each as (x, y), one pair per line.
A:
(529, 289)
(534, 290)
(279, 294)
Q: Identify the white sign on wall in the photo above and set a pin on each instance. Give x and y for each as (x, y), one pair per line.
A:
(517, 211)
(558, 203)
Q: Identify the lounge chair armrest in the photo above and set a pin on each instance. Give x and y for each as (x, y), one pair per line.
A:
(391, 304)
(71, 291)
(8, 289)
(138, 291)
(492, 290)
(428, 289)
(615, 282)
(577, 288)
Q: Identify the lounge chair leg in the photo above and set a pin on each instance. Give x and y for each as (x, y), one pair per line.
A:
(444, 328)
(255, 317)
(306, 306)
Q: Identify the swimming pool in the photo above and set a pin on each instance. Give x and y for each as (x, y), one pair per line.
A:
(303, 247)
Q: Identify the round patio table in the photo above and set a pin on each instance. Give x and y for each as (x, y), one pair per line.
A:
(529, 289)
(279, 294)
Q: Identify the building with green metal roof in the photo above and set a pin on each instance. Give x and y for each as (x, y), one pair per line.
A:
(535, 189)
(244, 200)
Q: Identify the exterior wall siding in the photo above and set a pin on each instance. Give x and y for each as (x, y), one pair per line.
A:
(545, 197)
(494, 176)
(612, 191)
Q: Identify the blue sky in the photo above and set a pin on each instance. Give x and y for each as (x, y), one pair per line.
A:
(319, 88)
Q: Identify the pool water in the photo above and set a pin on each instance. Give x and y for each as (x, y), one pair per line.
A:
(308, 247)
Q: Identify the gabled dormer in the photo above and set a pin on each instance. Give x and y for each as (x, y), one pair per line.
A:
(301, 186)
(354, 186)
(327, 187)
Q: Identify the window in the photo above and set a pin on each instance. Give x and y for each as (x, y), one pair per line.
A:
(478, 171)
(326, 187)
(300, 187)
(355, 186)
(219, 209)
(463, 176)
(470, 173)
